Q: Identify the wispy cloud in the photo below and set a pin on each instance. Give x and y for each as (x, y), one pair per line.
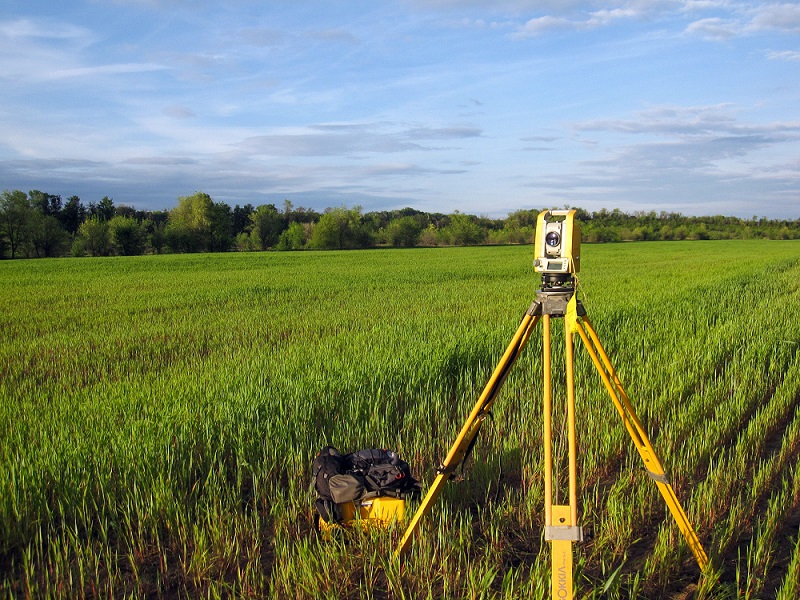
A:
(715, 28)
(715, 122)
(44, 29)
(593, 20)
(118, 69)
(742, 18)
(585, 17)
(725, 19)
(782, 17)
(790, 55)
(348, 139)
(45, 50)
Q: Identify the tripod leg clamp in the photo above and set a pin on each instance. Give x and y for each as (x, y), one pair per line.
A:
(569, 533)
(662, 478)
(442, 470)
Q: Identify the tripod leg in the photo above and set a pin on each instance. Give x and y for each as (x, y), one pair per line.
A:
(547, 418)
(473, 423)
(635, 429)
(573, 446)
(561, 521)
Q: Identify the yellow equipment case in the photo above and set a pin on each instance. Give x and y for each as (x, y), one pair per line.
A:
(372, 512)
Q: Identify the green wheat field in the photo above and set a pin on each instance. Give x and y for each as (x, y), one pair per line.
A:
(159, 416)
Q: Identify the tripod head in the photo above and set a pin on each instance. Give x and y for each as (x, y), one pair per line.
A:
(558, 282)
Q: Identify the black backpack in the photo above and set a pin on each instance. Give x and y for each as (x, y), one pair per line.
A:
(368, 473)
(327, 464)
(384, 473)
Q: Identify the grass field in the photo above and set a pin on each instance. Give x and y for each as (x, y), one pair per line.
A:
(159, 415)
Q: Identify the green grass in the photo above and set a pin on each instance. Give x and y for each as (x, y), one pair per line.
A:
(159, 414)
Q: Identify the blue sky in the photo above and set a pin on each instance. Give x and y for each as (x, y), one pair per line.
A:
(690, 106)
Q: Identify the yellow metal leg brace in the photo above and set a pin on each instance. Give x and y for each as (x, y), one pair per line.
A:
(638, 435)
(473, 424)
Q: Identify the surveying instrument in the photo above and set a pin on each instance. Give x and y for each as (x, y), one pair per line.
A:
(557, 258)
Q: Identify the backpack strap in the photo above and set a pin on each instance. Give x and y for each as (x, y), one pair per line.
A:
(387, 493)
(328, 510)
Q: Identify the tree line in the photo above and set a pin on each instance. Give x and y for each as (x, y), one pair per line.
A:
(38, 225)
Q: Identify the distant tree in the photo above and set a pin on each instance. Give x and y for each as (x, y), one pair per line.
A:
(46, 236)
(220, 227)
(582, 215)
(72, 215)
(189, 226)
(329, 231)
(429, 237)
(302, 215)
(105, 209)
(156, 235)
(179, 238)
(293, 238)
(15, 217)
(522, 218)
(127, 235)
(126, 211)
(244, 243)
(47, 204)
(39, 199)
(510, 235)
(404, 231)
(159, 217)
(266, 226)
(643, 233)
(701, 232)
(599, 234)
(93, 238)
(240, 217)
(464, 231)
(341, 228)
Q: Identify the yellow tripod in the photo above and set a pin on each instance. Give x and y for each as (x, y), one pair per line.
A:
(561, 521)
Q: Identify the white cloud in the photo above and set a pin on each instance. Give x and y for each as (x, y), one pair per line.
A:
(118, 69)
(783, 17)
(497, 5)
(743, 19)
(45, 50)
(588, 19)
(714, 28)
(790, 55)
(717, 123)
(43, 29)
(725, 19)
(541, 25)
(349, 139)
